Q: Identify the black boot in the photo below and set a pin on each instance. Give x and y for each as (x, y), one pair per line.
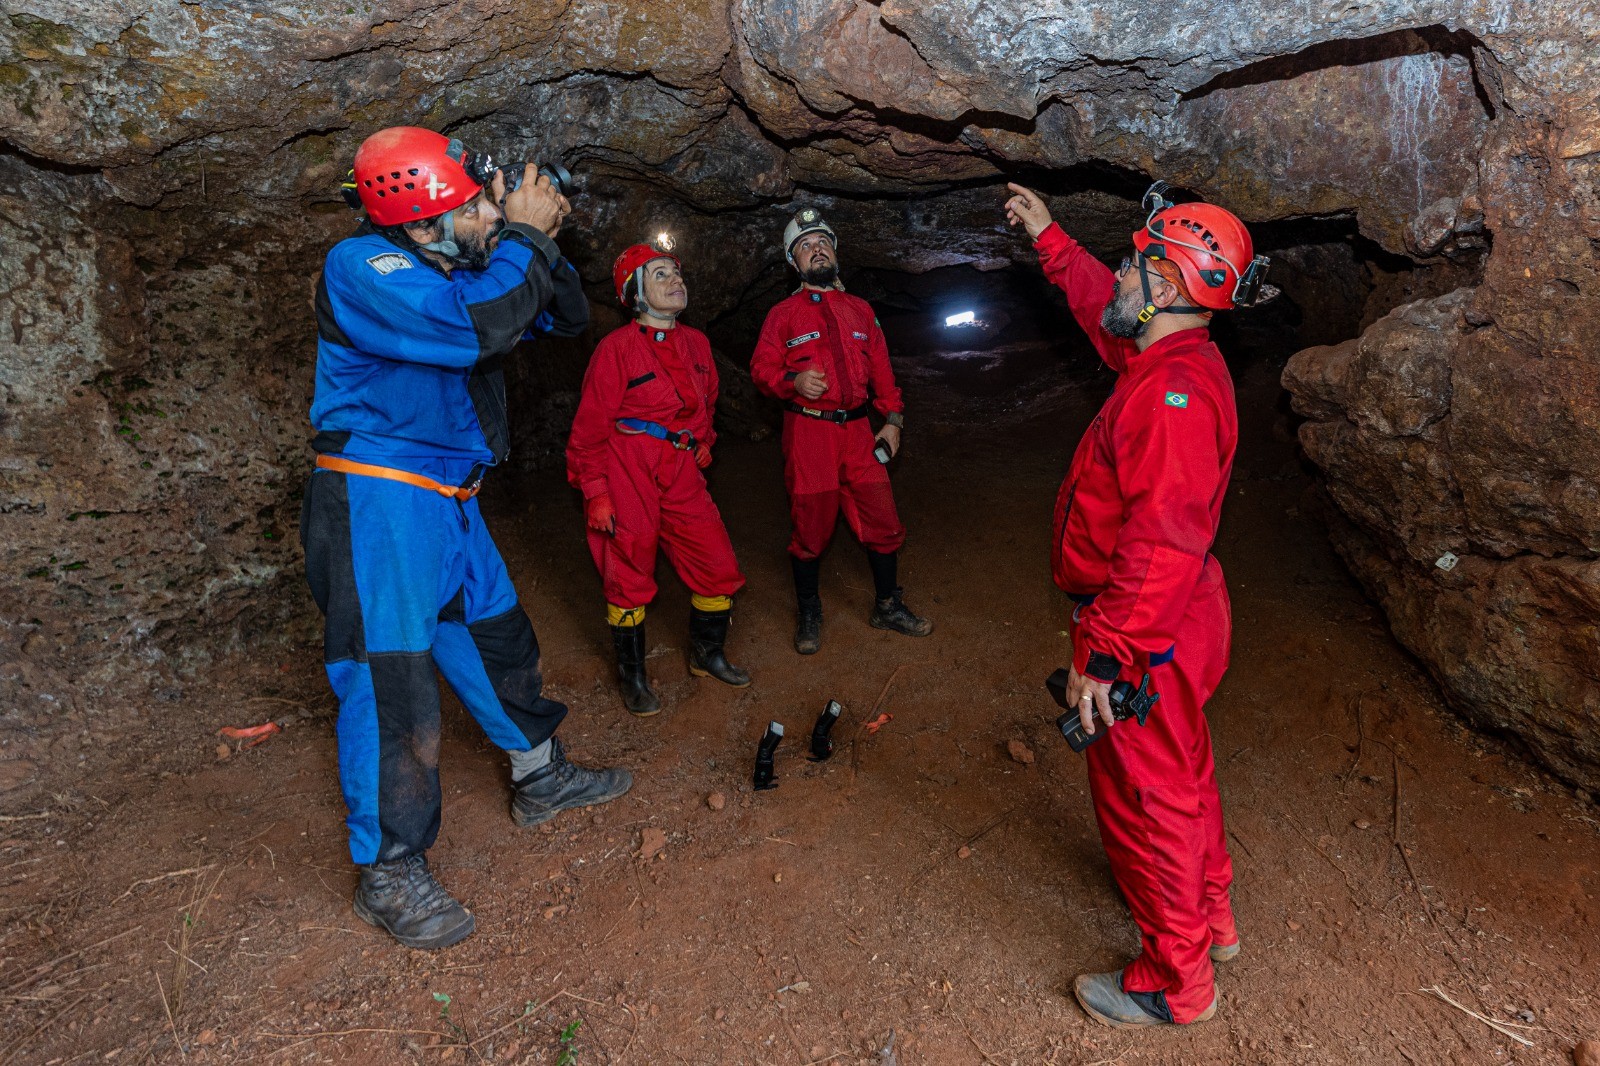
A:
(893, 614)
(890, 612)
(708, 633)
(560, 785)
(808, 598)
(636, 695)
(403, 897)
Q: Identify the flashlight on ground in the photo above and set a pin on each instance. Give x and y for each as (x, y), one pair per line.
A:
(821, 745)
(765, 751)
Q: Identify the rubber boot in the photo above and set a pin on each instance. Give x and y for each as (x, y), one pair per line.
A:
(560, 785)
(708, 633)
(636, 695)
(808, 599)
(403, 898)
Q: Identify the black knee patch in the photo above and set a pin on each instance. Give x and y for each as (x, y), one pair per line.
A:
(510, 654)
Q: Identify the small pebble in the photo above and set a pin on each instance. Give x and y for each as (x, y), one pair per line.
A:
(223, 752)
(1020, 752)
(1362, 824)
(964, 853)
(777, 879)
(716, 801)
(1587, 1053)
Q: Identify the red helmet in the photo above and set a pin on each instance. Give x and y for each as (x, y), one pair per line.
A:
(407, 174)
(631, 262)
(1211, 248)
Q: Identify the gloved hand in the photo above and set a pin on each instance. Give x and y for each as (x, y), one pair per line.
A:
(601, 515)
(702, 454)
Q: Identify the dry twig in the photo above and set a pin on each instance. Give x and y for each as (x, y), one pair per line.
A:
(1490, 1022)
(164, 877)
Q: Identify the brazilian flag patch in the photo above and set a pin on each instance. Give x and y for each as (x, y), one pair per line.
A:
(1177, 399)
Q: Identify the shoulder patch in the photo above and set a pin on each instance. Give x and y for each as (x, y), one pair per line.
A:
(1177, 399)
(389, 262)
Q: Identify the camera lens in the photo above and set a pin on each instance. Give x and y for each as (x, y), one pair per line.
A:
(559, 176)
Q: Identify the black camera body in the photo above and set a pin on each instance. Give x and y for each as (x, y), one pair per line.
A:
(1126, 702)
(560, 177)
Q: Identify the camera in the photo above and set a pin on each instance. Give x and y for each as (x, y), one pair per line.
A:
(481, 167)
(1126, 702)
(560, 177)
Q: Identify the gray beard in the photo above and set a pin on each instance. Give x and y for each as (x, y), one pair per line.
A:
(822, 276)
(1120, 318)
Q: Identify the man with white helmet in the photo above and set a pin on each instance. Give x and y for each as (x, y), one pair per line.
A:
(1134, 523)
(822, 353)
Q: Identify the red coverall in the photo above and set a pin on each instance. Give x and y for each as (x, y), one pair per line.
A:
(665, 376)
(829, 465)
(1134, 523)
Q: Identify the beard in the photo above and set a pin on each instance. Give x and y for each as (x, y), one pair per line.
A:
(474, 253)
(821, 275)
(1120, 318)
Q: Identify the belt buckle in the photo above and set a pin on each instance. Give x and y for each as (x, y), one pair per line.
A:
(814, 412)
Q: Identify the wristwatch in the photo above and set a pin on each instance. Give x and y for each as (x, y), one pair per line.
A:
(896, 419)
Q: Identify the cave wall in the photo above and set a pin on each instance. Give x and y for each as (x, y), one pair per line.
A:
(168, 181)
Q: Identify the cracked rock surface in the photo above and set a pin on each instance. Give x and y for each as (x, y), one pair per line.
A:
(168, 183)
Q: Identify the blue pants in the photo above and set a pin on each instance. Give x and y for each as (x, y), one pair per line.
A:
(409, 581)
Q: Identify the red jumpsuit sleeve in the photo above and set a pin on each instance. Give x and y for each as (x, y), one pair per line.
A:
(768, 366)
(1169, 472)
(885, 393)
(1088, 284)
(588, 446)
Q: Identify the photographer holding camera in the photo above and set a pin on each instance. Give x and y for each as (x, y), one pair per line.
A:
(415, 314)
(1134, 524)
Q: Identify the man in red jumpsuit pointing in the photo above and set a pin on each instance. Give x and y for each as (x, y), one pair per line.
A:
(1134, 524)
(822, 353)
(639, 441)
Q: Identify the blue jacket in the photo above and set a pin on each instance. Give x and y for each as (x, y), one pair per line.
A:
(409, 358)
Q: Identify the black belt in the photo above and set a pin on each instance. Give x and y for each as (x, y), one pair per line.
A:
(838, 414)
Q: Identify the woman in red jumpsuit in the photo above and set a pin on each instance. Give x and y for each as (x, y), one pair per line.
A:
(640, 439)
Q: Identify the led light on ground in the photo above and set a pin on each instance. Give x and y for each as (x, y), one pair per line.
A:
(965, 318)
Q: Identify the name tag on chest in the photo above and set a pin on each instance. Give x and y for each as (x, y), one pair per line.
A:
(795, 342)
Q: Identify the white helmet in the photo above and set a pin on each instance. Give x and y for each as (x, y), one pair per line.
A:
(807, 221)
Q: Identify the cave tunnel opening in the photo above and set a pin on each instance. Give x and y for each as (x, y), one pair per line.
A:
(1408, 538)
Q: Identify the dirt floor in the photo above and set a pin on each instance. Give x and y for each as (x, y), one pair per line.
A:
(923, 889)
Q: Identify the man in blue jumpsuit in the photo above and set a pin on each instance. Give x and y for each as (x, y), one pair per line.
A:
(415, 313)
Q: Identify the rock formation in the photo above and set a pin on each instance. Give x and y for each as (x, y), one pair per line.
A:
(168, 181)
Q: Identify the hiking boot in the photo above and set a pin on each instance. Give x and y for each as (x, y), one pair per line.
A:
(892, 614)
(808, 595)
(403, 898)
(708, 634)
(560, 785)
(1102, 998)
(630, 644)
(808, 627)
(1225, 952)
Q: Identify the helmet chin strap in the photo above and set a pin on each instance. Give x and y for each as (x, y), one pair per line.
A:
(1150, 310)
(448, 246)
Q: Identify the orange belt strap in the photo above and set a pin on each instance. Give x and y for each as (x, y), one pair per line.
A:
(346, 466)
